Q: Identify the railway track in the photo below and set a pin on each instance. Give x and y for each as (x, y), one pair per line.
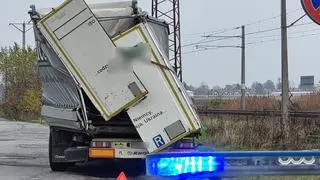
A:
(305, 114)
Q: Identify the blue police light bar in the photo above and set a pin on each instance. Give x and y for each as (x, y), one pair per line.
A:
(233, 164)
(173, 166)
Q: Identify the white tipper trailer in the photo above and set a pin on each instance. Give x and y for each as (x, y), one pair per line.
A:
(108, 88)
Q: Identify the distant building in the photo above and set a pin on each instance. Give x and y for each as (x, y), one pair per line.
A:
(307, 83)
(190, 93)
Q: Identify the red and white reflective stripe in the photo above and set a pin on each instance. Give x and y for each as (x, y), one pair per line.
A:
(186, 145)
(93, 144)
(99, 144)
(182, 150)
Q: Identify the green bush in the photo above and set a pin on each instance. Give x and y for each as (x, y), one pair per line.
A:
(216, 103)
(22, 85)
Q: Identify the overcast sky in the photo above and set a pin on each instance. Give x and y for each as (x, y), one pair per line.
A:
(218, 66)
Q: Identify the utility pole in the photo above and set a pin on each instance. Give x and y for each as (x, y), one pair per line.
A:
(243, 69)
(23, 30)
(284, 67)
(243, 60)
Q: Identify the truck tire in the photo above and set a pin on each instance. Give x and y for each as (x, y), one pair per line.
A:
(54, 165)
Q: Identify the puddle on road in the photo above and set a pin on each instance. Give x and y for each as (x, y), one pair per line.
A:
(16, 156)
(31, 146)
(20, 164)
(7, 140)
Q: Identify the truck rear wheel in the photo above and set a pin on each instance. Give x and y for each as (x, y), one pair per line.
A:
(54, 165)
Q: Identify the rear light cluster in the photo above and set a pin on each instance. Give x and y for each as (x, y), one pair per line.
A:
(100, 144)
(101, 149)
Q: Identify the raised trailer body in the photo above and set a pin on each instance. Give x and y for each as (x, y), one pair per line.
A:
(87, 52)
(166, 115)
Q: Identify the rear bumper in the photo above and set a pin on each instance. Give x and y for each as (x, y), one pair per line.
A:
(82, 154)
(118, 153)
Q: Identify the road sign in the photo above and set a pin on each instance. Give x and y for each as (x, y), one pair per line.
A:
(307, 81)
(312, 8)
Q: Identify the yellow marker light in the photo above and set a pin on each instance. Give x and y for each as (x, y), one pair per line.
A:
(101, 153)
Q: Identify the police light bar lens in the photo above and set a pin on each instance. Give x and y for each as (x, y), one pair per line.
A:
(174, 166)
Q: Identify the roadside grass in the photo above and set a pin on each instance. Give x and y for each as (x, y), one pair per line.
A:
(23, 116)
(244, 133)
(310, 102)
(258, 133)
(1, 113)
(237, 132)
(37, 121)
(253, 103)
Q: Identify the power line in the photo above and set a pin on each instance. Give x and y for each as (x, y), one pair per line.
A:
(263, 31)
(251, 43)
(271, 18)
(247, 34)
(220, 31)
(298, 32)
(273, 29)
(23, 30)
(302, 24)
(278, 39)
(218, 46)
(203, 41)
(199, 50)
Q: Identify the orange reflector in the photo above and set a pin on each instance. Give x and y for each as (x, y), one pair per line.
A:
(101, 153)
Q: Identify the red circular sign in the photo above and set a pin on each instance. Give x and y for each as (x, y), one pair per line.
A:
(312, 8)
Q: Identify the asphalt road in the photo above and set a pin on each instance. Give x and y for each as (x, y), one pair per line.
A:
(24, 156)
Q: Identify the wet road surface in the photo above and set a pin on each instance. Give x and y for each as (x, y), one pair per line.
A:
(24, 156)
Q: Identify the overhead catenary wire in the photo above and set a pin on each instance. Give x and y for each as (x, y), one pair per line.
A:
(215, 36)
(220, 31)
(271, 18)
(207, 40)
(278, 39)
(199, 50)
(274, 29)
(209, 48)
(297, 32)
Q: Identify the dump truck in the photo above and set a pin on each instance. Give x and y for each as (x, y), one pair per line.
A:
(110, 92)
(108, 88)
